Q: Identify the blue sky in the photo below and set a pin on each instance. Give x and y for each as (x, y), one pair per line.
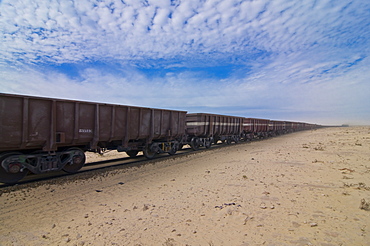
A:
(283, 59)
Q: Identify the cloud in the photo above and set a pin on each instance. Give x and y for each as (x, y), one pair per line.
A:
(272, 91)
(287, 58)
(138, 30)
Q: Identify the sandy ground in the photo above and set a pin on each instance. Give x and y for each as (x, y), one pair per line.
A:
(306, 188)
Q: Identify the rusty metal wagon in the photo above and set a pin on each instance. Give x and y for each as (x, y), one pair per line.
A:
(203, 129)
(45, 134)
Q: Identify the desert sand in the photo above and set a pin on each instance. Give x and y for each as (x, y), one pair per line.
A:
(304, 188)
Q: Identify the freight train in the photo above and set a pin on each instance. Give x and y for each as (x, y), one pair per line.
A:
(45, 134)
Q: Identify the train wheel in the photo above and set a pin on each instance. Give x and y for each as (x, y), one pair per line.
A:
(15, 173)
(237, 139)
(194, 143)
(208, 144)
(148, 153)
(77, 161)
(173, 149)
(132, 153)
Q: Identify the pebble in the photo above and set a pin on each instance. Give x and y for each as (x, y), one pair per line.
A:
(365, 205)
(313, 224)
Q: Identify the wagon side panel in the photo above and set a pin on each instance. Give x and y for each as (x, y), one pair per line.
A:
(146, 123)
(164, 124)
(66, 123)
(134, 123)
(195, 124)
(39, 123)
(177, 129)
(11, 122)
(247, 125)
(86, 122)
(106, 122)
(120, 123)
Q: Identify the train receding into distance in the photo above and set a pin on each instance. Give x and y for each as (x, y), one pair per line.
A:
(45, 134)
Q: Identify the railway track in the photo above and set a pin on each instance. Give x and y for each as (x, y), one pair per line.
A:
(97, 168)
(45, 134)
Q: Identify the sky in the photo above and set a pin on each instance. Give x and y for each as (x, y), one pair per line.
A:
(296, 60)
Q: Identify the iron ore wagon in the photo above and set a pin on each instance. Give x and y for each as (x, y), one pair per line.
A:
(203, 129)
(44, 134)
(254, 128)
(277, 127)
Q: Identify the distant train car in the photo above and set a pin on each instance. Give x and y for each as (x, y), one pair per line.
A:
(44, 134)
(202, 129)
(289, 127)
(255, 128)
(295, 126)
(277, 127)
